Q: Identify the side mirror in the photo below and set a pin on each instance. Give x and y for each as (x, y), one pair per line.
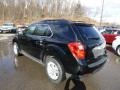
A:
(20, 32)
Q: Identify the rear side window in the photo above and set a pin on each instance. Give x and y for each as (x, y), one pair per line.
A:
(63, 32)
(42, 30)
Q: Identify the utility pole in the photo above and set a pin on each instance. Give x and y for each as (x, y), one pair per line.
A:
(3, 13)
(4, 5)
(101, 12)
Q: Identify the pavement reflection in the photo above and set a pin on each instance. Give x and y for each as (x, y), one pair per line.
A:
(24, 74)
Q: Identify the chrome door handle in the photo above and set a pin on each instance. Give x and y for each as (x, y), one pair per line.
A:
(39, 42)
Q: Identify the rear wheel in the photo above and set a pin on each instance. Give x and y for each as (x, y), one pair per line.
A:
(54, 69)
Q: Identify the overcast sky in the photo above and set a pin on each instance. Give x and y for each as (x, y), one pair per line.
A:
(111, 9)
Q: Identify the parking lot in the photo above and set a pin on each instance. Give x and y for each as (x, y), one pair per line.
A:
(24, 74)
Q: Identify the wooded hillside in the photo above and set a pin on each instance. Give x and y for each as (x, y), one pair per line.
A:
(32, 10)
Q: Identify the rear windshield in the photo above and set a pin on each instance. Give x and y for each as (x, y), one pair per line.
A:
(89, 33)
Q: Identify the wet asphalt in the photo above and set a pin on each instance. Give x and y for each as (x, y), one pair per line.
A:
(21, 73)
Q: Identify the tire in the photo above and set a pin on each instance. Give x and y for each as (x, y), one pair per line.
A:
(16, 49)
(118, 50)
(54, 69)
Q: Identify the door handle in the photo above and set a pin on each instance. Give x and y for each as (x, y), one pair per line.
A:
(39, 42)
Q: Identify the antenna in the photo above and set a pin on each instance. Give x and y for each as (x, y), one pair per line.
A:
(102, 12)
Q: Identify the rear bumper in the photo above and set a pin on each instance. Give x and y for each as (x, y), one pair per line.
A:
(93, 67)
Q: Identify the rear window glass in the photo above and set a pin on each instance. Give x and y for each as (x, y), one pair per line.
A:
(87, 32)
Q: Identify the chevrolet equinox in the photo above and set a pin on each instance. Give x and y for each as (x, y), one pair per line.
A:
(62, 46)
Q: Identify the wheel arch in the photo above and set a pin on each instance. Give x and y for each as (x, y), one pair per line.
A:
(55, 51)
(64, 57)
(14, 40)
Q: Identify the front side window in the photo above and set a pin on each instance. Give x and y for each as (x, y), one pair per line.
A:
(30, 29)
(42, 30)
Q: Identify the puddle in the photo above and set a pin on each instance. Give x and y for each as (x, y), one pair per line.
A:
(117, 60)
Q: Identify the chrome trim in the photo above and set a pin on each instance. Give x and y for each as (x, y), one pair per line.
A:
(97, 63)
(32, 58)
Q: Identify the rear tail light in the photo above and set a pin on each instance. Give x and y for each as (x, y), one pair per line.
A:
(77, 50)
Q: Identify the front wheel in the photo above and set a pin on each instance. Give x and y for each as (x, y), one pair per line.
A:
(54, 69)
(118, 50)
(16, 49)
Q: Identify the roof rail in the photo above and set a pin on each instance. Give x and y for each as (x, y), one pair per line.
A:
(54, 20)
(79, 21)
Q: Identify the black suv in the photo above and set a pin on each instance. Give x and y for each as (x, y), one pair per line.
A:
(62, 46)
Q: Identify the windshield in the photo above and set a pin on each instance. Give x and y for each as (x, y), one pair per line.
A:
(8, 24)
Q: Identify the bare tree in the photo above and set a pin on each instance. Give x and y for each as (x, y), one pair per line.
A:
(29, 10)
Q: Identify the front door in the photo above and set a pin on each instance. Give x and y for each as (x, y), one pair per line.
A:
(26, 38)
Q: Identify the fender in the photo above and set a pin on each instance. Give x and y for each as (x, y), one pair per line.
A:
(15, 39)
(64, 58)
(52, 49)
(55, 50)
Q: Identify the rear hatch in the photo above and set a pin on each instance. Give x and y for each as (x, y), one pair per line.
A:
(92, 40)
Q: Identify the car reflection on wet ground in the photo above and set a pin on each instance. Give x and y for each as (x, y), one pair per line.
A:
(21, 73)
